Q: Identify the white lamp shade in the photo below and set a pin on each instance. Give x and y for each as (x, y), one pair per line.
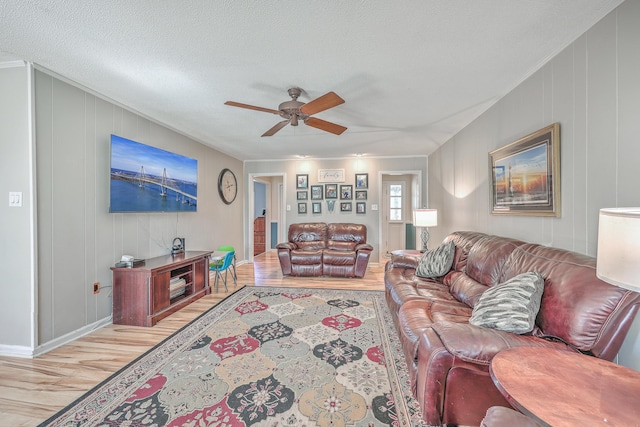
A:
(425, 217)
(618, 260)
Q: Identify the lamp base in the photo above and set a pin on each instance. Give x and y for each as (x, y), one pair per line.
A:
(424, 236)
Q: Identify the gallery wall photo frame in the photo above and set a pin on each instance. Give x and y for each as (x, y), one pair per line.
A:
(361, 207)
(301, 195)
(302, 208)
(331, 191)
(317, 192)
(345, 207)
(525, 175)
(361, 194)
(302, 180)
(346, 192)
(362, 180)
(316, 207)
(330, 175)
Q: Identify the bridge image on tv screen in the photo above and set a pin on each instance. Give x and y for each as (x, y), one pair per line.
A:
(148, 179)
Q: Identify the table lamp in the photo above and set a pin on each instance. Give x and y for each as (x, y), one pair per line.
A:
(618, 260)
(425, 218)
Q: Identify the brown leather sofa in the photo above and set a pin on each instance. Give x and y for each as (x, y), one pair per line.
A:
(320, 249)
(449, 358)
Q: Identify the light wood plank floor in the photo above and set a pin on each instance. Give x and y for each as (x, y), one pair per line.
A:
(32, 390)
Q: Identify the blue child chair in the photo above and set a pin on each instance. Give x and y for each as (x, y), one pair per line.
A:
(233, 264)
(222, 267)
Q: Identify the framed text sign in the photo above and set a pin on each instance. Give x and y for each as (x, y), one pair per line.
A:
(330, 175)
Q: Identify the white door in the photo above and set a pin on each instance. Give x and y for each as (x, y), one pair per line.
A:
(393, 221)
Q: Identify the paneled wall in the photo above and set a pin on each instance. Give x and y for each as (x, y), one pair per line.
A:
(78, 239)
(592, 89)
(16, 255)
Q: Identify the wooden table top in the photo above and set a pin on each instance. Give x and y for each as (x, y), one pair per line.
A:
(560, 388)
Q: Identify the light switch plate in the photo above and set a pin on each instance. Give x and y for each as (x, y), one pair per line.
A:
(15, 199)
(374, 207)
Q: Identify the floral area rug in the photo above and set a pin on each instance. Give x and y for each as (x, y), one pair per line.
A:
(264, 356)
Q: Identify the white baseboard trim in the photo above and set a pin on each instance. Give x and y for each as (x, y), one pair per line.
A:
(28, 352)
(16, 351)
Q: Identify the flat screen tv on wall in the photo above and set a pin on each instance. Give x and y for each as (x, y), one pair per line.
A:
(148, 179)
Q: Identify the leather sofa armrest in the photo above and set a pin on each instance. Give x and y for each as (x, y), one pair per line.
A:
(404, 261)
(364, 247)
(284, 255)
(476, 344)
(287, 245)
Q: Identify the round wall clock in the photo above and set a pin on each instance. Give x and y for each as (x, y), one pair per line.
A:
(227, 186)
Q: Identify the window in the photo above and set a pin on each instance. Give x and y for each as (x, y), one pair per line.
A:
(395, 202)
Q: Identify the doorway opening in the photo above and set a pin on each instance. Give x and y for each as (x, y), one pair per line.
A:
(266, 213)
(400, 193)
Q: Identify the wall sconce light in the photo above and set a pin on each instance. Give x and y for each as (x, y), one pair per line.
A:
(425, 218)
(618, 259)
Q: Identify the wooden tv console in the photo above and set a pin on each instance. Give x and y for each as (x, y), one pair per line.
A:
(142, 295)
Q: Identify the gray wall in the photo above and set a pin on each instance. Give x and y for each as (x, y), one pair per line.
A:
(78, 239)
(372, 166)
(592, 88)
(15, 222)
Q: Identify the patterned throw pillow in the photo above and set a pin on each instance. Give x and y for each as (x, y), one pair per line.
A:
(511, 306)
(436, 262)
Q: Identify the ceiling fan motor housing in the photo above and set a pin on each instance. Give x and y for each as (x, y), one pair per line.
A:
(293, 111)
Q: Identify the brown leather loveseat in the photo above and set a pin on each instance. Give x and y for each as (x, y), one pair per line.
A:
(449, 357)
(320, 249)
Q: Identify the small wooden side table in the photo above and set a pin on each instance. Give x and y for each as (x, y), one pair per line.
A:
(561, 388)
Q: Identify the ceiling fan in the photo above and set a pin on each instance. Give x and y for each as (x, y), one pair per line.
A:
(294, 111)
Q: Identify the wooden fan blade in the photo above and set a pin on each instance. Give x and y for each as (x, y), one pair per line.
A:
(251, 107)
(325, 102)
(325, 125)
(276, 128)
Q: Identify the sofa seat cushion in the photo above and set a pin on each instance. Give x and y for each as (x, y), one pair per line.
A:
(435, 294)
(511, 306)
(334, 257)
(416, 315)
(451, 312)
(306, 257)
(475, 344)
(397, 295)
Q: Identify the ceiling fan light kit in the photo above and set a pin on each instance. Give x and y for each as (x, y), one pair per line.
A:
(294, 111)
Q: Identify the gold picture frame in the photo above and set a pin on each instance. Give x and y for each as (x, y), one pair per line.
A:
(525, 175)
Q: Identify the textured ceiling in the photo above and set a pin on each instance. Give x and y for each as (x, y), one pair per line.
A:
(412, 73)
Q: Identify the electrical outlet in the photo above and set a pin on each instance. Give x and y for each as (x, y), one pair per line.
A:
(96, 287)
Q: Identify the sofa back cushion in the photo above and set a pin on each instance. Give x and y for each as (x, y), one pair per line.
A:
(483, 267)
(464, 288)
(463, 241)
(309, 235)
(576, 306)
(487, 258)
(340, 233)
